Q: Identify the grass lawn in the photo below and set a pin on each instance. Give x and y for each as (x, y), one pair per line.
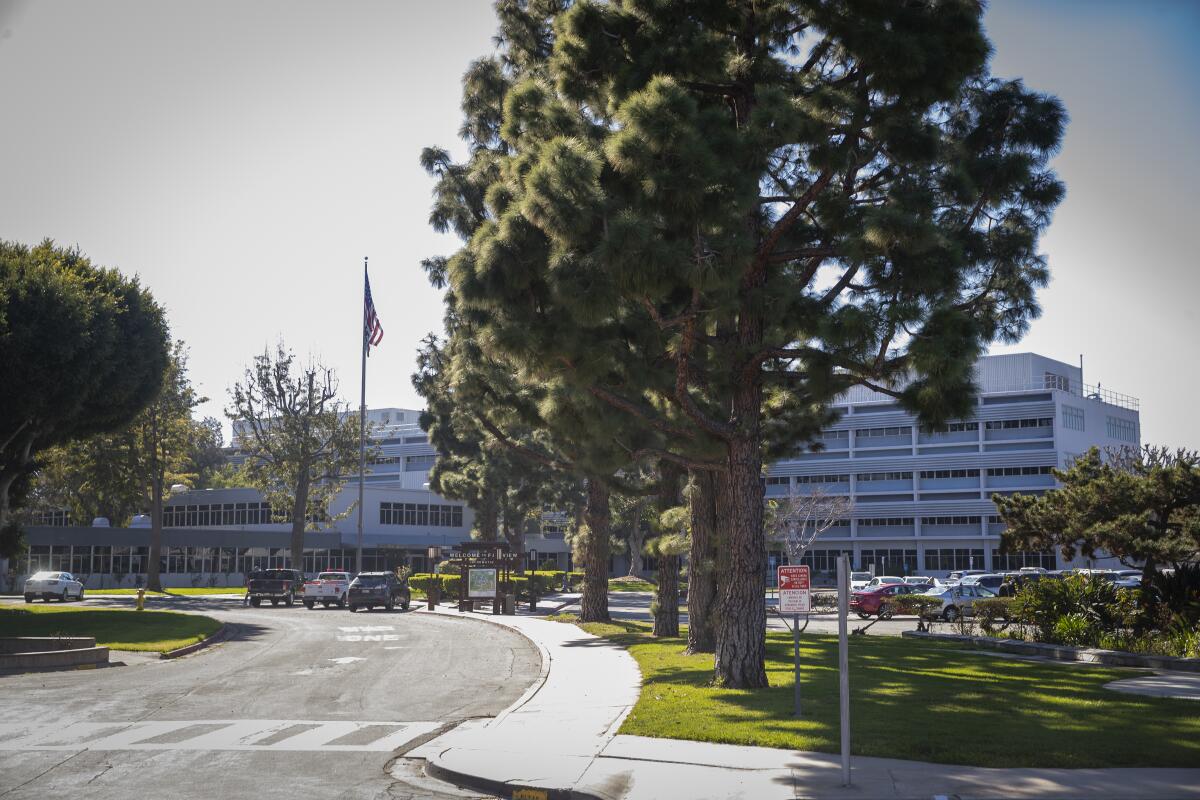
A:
(630, 585)
(153, 631)
(925, 701)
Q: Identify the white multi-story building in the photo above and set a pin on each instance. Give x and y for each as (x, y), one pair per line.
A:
(922, 498)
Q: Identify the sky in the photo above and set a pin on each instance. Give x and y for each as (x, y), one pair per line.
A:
(243, 158)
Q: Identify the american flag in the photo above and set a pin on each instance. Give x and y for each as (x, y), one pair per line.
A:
(372, 329)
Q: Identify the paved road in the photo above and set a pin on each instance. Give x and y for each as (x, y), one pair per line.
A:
(300, 703)
(636, 606)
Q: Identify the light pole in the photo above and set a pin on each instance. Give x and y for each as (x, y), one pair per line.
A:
(434, 595)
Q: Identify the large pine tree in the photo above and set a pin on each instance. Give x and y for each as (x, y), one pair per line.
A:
(716, 217)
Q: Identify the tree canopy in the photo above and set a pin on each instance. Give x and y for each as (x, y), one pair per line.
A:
(1141, 506)
(297, 436)
(83, 350)
(715, 218)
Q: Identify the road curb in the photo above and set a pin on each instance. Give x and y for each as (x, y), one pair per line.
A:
(224, 632)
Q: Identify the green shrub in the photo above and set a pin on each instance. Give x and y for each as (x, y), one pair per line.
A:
(1171, 595)
(1075, 629)
(1102, 607)
(993, 614)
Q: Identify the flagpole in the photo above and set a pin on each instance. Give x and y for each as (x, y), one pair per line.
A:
(362, 429)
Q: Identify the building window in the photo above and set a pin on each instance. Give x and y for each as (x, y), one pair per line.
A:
(1124, 430)
(947, 559)
(1011, 562)
(1008, 472)
(1073, 418)
(944, 474)
(878, 433)
(822, 479)
(1012, 424)
(890, 561)
(885, 522)
(418, 463)
(954, 427)
(414, 439)
(1056, 381)
(884, 476)
(778, 481)
(830, 436)
(56, 519)
(930, 521)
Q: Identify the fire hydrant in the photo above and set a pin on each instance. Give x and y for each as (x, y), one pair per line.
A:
(141, 600)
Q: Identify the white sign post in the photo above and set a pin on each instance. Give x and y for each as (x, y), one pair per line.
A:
(843, 580)
(795, 598)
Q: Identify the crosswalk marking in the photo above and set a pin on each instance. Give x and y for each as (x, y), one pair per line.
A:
(242, 734)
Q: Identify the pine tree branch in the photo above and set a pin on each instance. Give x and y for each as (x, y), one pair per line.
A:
(630, 407)
(521, 449)
(767, 249)
(674, 458)
(683, 379)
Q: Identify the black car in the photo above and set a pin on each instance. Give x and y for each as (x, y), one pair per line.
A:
(382, 589)
(276, 585)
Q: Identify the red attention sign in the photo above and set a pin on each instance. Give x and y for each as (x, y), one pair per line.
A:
(794, 577)
(794, 590)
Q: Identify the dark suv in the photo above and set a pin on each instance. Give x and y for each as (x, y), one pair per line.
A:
(371, 589)
(276, 585)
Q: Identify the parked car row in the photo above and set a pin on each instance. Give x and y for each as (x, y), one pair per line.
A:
(367, 590)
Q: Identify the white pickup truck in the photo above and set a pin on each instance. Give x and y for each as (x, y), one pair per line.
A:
(328, 589)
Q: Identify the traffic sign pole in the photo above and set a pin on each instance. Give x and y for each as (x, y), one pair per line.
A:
(795, 598)
(796, 645)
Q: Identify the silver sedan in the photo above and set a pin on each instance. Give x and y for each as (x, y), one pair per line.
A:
(52, 586)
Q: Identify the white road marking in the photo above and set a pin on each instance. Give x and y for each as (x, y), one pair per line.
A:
(311, 735)
(346, 659)
(370, 637)
(367, 629)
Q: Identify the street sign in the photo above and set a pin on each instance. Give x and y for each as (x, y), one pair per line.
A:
(795, 590)
(481, 584)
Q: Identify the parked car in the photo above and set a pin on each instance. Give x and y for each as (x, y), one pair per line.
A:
(60, 586)
(328, 588)
(382, 589)
(919, 579)
(874, 599)
(957, 601)
(276, 585)
(959, 574)
(859, 579)
(883, 580)
(989, 581)
(1129, 578)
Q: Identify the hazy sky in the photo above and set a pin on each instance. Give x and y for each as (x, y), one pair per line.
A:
(242, 157)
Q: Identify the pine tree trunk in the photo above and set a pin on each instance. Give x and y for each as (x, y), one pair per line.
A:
(666, 593)
(637, 538)
(741, 622)
(487, 520)
(666, 597)
(515, 536)
(702, 563)
(594, 603)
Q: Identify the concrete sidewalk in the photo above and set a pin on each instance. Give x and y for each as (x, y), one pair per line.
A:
(561, 737)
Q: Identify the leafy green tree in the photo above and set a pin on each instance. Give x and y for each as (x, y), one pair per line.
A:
(82, 351)
(1140, 505)
(299, 441)
(717, 221)
(116, 475)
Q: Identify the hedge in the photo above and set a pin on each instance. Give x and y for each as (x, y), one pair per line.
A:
(544, 582)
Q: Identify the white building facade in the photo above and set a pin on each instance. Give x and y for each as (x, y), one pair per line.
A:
(922, 498)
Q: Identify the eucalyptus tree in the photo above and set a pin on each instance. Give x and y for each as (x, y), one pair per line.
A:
(299, 440)
(716, 218)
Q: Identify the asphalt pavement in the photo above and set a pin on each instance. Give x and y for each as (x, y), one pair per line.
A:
(297, 701)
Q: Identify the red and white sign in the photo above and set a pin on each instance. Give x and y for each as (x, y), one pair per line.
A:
(795, 590)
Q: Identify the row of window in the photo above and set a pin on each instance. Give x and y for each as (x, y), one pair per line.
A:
(953, 427)
(953, 520)
(218, 514)
(419, 463)
(944, 474)
(84, 560)
(420, 514)
(884, 476)
(822, 479)
(905, 561)
(878, 433)
(885, 522)
(1008, 472)
(1124, 430)
(1013, 424)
